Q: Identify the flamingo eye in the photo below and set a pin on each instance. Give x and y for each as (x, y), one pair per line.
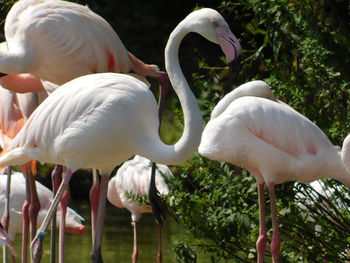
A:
(215, 23)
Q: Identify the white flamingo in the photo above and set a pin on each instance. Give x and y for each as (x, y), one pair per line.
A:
(98, 121)
(18, 195)
(133, 179)
(275, 143)
(58, 41)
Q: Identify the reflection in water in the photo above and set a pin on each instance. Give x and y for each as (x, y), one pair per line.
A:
(117, 241)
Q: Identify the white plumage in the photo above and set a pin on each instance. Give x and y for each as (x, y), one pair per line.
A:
(17, 197)
(132, 180)
(59, 41)
(275, 143)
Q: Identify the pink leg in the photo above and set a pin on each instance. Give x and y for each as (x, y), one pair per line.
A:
(94, 196)
(96, 252)
(36, 244)
(276, 237)
(34, 206)
(135, 252)
(25, 216)
(159, 252)
(262, 239)
(64, 205)
(56, 178)
(5, 220)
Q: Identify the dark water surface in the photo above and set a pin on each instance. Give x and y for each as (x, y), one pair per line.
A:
(117, 244)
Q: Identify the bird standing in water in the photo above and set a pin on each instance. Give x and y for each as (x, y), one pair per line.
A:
(133, 180)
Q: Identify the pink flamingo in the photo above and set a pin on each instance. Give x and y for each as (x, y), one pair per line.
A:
(133, 178)
(275, 143)
(98, 121)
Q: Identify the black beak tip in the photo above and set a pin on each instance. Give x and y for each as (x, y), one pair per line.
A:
(235, 67)
(2, 74)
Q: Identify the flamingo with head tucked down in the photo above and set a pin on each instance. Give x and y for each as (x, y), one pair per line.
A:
(100, 120)
(133, 180)
(74, 221)
(275, 143)
(58, 41)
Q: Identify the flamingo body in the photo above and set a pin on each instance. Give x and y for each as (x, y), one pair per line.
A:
(133, 177)
(270, 137)
(61, 126)
(15, 110)
(274, 143)
(58, 41)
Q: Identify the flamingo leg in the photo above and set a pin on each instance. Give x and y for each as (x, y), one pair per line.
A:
(5, 220)
(34, 205)
(262, 239)
(64, 205)
(25, 217)
(276, 237)
(56, 178)
(94, 196)
(36, 244)
(96, 252)
(159, 252)
(135, 252)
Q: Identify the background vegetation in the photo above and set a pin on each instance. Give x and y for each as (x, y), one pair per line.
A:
(301, 48)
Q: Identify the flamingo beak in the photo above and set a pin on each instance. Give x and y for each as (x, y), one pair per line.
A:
(7, 241)
(231, 48)
(2, 74)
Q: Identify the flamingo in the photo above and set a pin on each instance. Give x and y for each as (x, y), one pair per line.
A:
(98, 121)
(74, 220)
(15, 109)
(250, 128)
(58, 41)
(133, 178)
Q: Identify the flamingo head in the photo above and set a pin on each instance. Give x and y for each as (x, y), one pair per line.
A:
(73, 222)
(211, 25)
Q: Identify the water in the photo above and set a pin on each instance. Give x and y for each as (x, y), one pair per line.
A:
(117, 244)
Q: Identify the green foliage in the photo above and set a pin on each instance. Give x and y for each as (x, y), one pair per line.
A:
(183, 252)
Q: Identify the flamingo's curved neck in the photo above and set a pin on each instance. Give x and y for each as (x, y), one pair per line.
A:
(190, 139)
(13, 62)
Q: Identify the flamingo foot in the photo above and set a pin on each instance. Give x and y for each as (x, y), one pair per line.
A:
(37, 247)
